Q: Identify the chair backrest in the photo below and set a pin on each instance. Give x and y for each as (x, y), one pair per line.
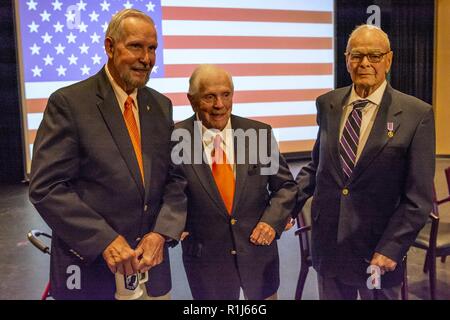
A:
(447, 176)
(304, 230)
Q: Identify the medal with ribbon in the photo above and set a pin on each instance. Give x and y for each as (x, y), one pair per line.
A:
(390, 128)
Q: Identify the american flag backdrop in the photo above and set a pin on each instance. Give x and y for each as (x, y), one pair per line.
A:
(280, 53)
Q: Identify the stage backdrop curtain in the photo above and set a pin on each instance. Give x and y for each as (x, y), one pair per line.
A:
(410, 26)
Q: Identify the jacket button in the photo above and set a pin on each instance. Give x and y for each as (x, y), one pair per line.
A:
(233, 222)
(345, 192)
(138, 239)
(145, 208)
(233, 252)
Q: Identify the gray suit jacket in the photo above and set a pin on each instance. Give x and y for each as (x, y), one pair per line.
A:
(86, 184)
(218, 255)
(389, 193)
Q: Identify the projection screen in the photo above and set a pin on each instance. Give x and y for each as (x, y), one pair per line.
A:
(280, 53)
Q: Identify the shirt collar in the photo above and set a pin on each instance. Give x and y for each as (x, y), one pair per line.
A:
(210, 134)
(119, 92)
(374, 98)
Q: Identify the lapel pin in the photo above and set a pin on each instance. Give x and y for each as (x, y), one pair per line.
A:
(148, 108)
(390, 127)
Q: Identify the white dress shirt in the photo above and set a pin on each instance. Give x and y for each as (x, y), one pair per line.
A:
(227, 143)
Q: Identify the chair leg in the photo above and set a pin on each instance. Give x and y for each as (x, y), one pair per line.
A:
(426, 263)
(301, 282)
(405, 282)
(432, 269)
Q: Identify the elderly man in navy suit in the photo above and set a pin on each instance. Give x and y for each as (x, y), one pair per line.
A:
(234, 202)
(371, 176)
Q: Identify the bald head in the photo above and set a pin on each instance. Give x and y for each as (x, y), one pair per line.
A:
(369, 31)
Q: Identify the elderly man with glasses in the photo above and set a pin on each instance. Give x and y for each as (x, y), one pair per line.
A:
(371, 176)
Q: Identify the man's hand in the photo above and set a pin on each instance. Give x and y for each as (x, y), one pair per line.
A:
(290, 223)
(384, 263)
(120, 257)
(151, 247)
(263, 234)
(184, 235)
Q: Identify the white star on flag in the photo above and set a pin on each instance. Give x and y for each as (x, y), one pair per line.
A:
(45, 16)
(61, 71)
(85, 70)
(82, 27)
(31, 5)
(105, 26)
(81, 5)
(72, 59)
(56, 5)
(60, 49)
(105, 5)
(95, 38)
(84, 48)
(33, 27)
(58, 27)
(48, 60)
(94, 16)
(71, 38)
(46, 38)
(96, 59)
(150, 6)
(155, 69)
(35, 49)
(36, 71)
(128, 5)
(70, 15)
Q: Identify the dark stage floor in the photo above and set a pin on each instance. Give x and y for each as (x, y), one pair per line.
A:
(24, 269)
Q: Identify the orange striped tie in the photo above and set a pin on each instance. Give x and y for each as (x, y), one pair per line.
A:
(133, 131)
(223, 174)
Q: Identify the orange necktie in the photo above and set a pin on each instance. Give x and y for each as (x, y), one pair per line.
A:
(223, 174)
(133, 131)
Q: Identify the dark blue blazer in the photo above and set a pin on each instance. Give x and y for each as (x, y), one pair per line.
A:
(218, 255)
(388, 197)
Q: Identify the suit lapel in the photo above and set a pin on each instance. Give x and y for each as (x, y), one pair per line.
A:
(147, 117)
(203, 170)
(378, 137)
(241, 168)
(113, 117)
(334, 123)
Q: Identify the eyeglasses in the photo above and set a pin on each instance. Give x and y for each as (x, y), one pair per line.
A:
(372, 57)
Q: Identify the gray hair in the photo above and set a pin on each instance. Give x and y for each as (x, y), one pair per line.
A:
(369, 27)
(115, 30)
(194, 80)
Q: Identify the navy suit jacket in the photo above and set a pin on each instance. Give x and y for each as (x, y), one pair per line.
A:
(218, 255)
(388, 198)
(86, 183)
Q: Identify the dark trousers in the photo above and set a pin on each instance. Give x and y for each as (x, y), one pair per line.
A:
(334, 289)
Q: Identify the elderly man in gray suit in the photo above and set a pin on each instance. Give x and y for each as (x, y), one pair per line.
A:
(101, 160)
(371, 176)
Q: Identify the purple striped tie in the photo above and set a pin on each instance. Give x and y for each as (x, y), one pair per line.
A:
(350, 137)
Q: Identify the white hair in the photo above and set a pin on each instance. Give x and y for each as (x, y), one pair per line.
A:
(196, 77)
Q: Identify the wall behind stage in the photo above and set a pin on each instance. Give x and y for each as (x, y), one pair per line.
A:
(442, 78)
(11, 159)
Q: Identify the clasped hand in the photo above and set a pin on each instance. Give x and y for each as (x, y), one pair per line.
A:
(120, 257)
